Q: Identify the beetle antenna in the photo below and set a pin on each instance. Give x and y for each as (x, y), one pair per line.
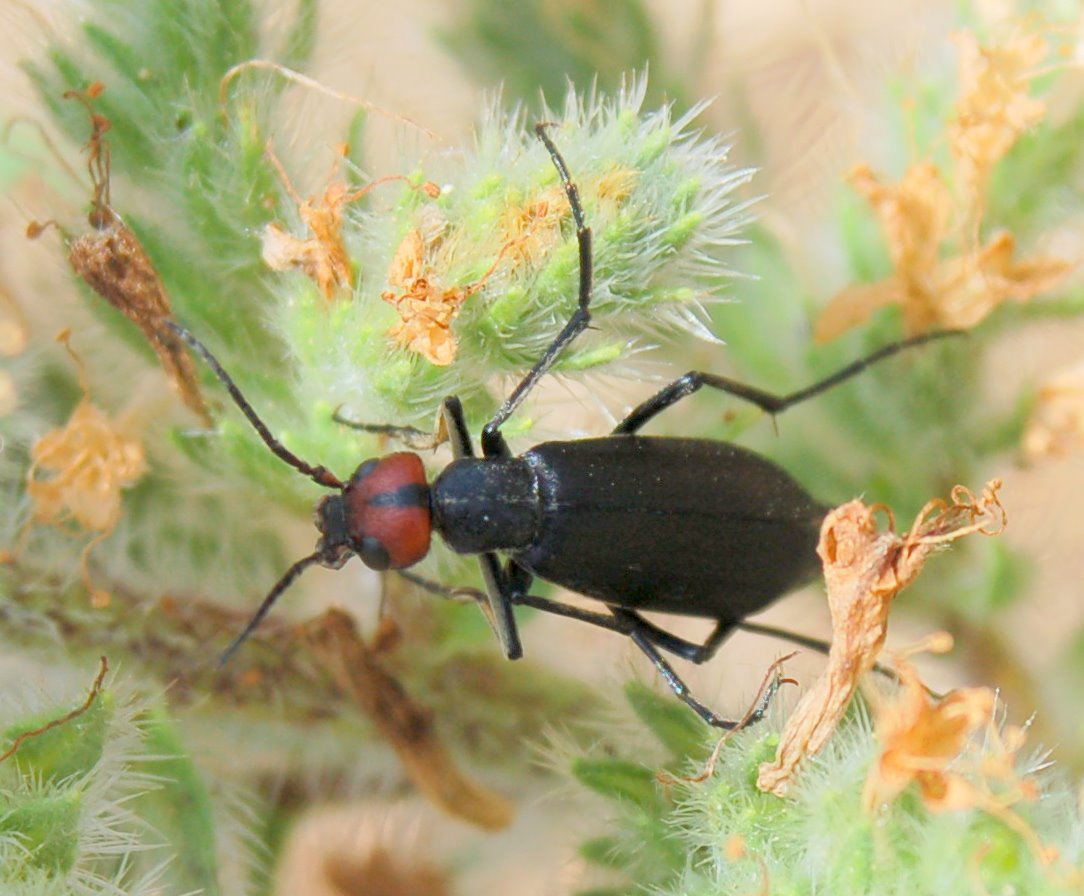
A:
(319, 474)
(285, 582)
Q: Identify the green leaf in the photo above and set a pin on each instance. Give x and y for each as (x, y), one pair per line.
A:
(605, 851)
(678, 729)
(68, 749)
(181, 808)
(619, 780)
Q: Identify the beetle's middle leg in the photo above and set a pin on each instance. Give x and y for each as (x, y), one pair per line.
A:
(622, 625)
(692, 651)
(769, 402)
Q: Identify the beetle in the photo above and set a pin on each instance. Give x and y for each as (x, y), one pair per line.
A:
(688, 526)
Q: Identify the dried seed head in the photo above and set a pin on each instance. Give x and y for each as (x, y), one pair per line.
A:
(112, 261)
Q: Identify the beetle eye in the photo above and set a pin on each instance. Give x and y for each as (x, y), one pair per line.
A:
(373, 554)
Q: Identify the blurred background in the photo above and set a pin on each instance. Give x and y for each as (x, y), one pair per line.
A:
(805, 90)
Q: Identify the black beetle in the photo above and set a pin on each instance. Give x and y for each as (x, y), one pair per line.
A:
(688, 526)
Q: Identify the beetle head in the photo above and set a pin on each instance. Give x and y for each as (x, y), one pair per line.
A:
(382, 515)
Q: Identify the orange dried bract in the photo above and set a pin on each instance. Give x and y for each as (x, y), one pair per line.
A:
(426, 307)
(322, 257)
(535, 226)
(1056, 427)
(920, 739)
(913, 214)
(955, 751)
(864, 569)
(976, 283)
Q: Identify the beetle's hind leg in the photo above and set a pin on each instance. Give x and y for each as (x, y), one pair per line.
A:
(642, 638)
(643, 634)
(622, 625)
(691, 651)
(769, 402)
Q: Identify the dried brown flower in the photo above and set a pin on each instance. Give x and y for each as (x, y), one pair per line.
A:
(955, 292)
(425, 305)
(955, 751)
(921, 738)
(994, 107)
(942, 275)
(92, 460)
(864, 569)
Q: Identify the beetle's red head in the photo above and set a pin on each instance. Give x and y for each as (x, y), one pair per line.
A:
(382, 515)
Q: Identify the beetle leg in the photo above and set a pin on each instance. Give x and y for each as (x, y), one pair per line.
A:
(492, 440)
(500, 614)
(496, 601)
(768, 402)
(519, 580)
(522, 600)
(625, 622)
(414, 438)
(498, 592)
(686, 650)
(643, 640)
(680, 647)
(452, 409)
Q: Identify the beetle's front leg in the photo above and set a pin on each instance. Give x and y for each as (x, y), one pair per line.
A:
(500, 607)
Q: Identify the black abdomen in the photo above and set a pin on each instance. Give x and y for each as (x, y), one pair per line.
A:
(688, 526)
